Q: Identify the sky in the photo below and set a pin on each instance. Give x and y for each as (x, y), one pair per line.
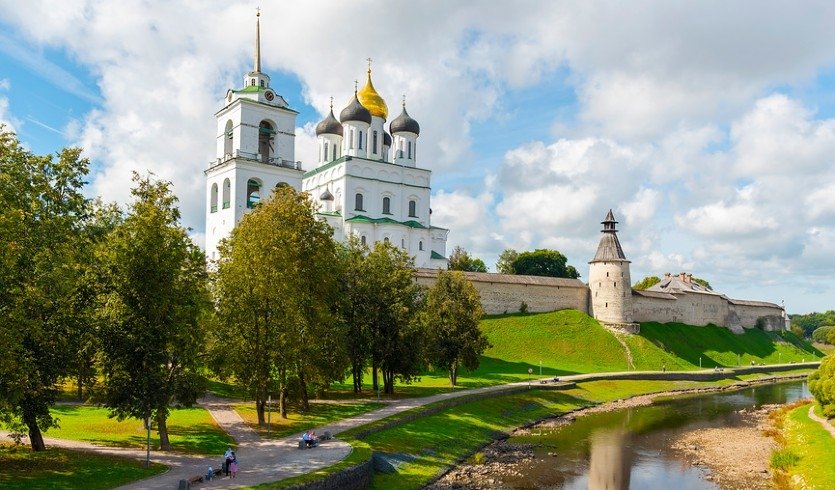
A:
(708, 127)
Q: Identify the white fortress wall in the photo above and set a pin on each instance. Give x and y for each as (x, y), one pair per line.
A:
(503, 293)
(770, 315)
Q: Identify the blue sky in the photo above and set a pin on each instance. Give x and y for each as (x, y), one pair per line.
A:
(708, 128)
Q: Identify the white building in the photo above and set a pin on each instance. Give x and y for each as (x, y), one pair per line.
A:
(365, 182)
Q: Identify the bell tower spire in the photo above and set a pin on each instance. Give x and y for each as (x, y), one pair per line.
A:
(257, 67)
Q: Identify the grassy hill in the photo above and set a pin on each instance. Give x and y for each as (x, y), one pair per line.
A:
(569, 341)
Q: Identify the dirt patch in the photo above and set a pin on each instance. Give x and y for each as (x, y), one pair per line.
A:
(737, 457)
(501, 459)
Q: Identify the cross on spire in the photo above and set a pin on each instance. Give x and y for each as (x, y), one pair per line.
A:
(257, 67)
(331, 103)
(356, 86)
(404, 101)
(369, 60)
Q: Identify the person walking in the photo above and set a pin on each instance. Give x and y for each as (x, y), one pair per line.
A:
(227, 460)
(233, 466)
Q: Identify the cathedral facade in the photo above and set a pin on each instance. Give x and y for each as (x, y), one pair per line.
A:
(366, 181)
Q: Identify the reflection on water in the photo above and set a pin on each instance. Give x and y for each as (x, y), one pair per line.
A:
(631, 448)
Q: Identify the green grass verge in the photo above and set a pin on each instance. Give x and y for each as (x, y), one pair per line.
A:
(320, 414)
(813, 447)
(190, 430)
(360, 452)
(23, 469)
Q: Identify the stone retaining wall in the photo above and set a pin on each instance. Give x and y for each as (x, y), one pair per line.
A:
(356, 477)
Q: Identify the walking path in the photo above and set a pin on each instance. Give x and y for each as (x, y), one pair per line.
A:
(825, 423)
(266, 460)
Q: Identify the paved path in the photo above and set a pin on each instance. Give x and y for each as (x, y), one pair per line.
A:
(825, 423)
(267, 460)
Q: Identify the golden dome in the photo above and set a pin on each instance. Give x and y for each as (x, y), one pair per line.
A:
(371, 100)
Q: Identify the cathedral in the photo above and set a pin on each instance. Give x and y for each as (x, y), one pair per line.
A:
(366, 180)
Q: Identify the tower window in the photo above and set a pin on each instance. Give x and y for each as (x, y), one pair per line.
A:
(351, 141)
(402, 243)
(333, 152)
(374, 146)
(252, 82)
(616, 284)
(228, 140)
(362, 239)
(262, 83)
(358, 202)
(386, 239)
(420, 245)
(359, 141)
(386, 205)
(413, 209)
(265, 141)
(607, 305)
(213, 202)
(325, 156)
(607, 274)
(410, 150)
(253, 193)
(227, 191)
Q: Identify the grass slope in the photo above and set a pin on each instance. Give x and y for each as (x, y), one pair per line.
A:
(297, 421)
(65, 469)
(190, 430)
(813, 447)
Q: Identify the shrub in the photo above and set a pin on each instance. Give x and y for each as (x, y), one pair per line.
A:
(824, 335)
(783, 459)
(523, 308)
(822, 386)
(478, 458)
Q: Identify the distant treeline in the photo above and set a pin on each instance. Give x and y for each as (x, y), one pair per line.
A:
(812, 321)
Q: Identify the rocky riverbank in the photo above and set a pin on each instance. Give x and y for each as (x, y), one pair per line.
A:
(737, 457)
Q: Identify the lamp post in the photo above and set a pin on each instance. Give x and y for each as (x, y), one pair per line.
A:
(148, 442)
(530, 373)
(700, 362)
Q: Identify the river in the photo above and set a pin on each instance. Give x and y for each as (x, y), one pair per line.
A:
(631, 448)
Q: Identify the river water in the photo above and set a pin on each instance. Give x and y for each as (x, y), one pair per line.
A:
(631, 448)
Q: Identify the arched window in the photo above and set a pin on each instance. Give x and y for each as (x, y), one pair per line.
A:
(252, 82)
(253, 193)
(265, 141)
(227, 191)
(386, 239)
(213, 203)
(420, 245)
(410, 150)
(351, 141)
(227, 140)
(374, 146)
(362, 239)
(325, 156)
(358, 202)
(359, 141)
(402, 243)
(262, 83)
(413, 209)
(333, 152)
(386, 205)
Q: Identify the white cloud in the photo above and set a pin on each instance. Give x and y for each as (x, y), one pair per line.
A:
(6, 119)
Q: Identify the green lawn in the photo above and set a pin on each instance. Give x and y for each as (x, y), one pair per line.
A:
(815, 447)
(718, 346)
(23, 469)
(190, 430)
(297, 421)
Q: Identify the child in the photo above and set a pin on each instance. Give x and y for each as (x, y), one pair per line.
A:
(233, 466)
(210, 474)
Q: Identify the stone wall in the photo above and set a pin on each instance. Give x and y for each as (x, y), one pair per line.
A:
(703, 309)
(502, 293)
(769, 316)
(355, 477)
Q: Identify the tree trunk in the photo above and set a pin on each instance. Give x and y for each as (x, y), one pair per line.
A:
(357, 373)
(282, 393)
(375, 384)
(260, 403)
(453, 374)
(80, 387)
(162, 428)
(35, 436)
(303, 386)
(388, 382)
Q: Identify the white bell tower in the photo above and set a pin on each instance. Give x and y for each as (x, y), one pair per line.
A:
(255, 151)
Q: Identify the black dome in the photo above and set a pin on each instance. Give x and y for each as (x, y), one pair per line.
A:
(403, 123)
(386, 139)
(329, 125)
(355, 112)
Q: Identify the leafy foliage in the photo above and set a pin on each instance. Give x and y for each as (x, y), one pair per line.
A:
(505, 263)
(460, 260)
(41, 211)
(824, 335)
(646, 283)
(812, 321)
(274, 292)
(822, 385)
(154, 293)
(451, 319)
(544, 262)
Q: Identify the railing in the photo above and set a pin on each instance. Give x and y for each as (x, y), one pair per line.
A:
(257, 157)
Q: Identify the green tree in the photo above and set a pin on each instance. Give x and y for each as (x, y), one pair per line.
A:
(41, 210)
(397, 339)
(544, 262)
(646, 283)
(275, 291)
(451, 318)
(505, 263)
(812, 321)
(356, 292)
(460, 260)
(824, 335)
(154, 293)
(822, 385)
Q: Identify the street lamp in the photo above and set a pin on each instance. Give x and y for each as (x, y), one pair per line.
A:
(530, 373)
